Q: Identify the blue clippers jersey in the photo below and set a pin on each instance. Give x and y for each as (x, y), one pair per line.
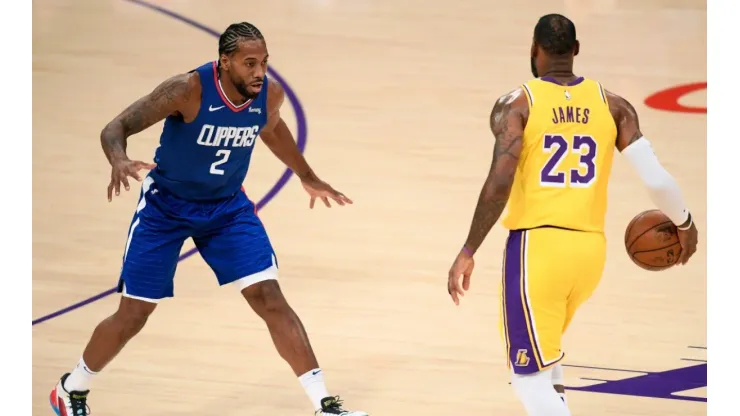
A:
(208, 158)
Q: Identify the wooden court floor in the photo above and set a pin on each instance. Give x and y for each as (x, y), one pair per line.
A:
(396, 97)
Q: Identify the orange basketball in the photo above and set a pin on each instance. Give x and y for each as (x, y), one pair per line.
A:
(651, 240)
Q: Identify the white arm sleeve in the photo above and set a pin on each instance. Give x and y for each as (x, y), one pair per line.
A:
(663, 188)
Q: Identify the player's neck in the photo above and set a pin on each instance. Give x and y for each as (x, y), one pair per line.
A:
(562, 71)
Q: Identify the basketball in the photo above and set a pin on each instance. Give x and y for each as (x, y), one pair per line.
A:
(651, 240)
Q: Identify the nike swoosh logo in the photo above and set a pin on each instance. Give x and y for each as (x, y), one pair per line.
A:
(212, 108)
(313, 373)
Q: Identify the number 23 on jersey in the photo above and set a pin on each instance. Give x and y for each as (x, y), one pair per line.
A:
(561, 148)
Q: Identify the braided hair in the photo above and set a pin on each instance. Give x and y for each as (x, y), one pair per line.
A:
(228, 42)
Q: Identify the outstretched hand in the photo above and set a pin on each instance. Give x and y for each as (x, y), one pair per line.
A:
(121, 170)
(317, 188)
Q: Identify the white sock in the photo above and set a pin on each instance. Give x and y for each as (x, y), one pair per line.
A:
(558, 379)
(79, 379)
(536, 393)
(313, 383)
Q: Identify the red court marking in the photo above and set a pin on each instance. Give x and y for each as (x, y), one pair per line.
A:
(667, 99)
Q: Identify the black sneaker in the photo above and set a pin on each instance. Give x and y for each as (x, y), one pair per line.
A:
(333, 406)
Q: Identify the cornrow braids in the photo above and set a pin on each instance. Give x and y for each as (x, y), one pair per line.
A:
(556, 34)
(228, 42)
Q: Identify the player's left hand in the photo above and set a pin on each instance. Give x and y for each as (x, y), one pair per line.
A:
(317, 188)
(463, 266)
(688, 239)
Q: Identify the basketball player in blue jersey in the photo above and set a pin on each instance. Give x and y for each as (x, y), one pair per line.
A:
(213, 116)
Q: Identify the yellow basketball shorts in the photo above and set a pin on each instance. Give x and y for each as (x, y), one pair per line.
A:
(547, 274)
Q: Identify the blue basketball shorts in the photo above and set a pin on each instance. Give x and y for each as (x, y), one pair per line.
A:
(227, 233)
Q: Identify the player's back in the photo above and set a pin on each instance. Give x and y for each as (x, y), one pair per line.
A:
(208, 158)
(567, 152)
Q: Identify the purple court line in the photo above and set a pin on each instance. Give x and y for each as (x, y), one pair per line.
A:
(301, 140)
(604, 368)
(593, 379)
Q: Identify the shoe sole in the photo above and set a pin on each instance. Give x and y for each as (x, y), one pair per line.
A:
(54, 406)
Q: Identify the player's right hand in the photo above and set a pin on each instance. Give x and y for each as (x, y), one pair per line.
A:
(121, 170)
(462, 267)
(688, 239)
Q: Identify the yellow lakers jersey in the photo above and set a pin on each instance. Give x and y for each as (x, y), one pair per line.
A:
(567, 152)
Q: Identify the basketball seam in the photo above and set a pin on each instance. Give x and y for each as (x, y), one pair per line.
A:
(645, 232)
(656, 249)
(632, 224)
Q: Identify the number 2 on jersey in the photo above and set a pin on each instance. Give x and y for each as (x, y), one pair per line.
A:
(559, 147)
(225, 153)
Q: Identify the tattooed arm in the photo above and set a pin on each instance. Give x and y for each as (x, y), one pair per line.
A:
(167, 98)
(508, 119)
(177, 95)
(663, 189)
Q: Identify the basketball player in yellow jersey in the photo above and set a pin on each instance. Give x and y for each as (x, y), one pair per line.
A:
(555, 140)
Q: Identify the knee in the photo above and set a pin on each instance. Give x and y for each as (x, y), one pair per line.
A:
(132, 314)
(266, 298)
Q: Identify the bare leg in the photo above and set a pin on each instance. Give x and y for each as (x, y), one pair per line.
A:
(112, 334)
(108, 339)
(291, 341)
(286, 329)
